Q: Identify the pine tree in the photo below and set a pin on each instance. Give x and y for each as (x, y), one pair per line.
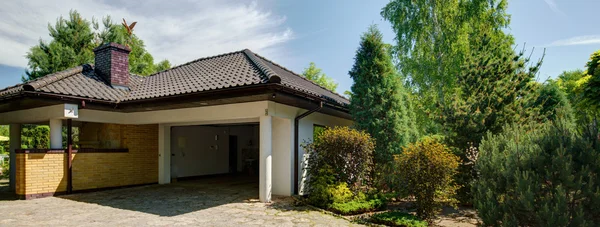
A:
(380, 104)
(539, 175)
(495, 87)
(73, 42)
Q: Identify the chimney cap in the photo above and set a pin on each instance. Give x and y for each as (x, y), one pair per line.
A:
(112, 45)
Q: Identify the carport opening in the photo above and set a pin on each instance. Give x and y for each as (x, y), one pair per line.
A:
(224, 154)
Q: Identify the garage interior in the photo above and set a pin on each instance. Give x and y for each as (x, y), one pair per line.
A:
(226, 153)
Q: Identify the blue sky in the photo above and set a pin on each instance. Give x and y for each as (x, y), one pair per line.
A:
(292, 33)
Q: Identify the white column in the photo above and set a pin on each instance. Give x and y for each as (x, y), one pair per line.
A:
(282, 156)
(14, 143)
(164, 154)
(56, 134)
(265, 160)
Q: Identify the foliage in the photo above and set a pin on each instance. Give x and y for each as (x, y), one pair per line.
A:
(539, 175)
(435, 37)
(552, 100)
(426, 169)
(314, 74)
(140, 61)
(379, 104)
(320, 186)
(35, 137)
(494, 88)
(396, 218)
(592, 87)
(5, 170)
(357, 206)
(72, 44)
(341, 193)
(343, 153)
(4, 130)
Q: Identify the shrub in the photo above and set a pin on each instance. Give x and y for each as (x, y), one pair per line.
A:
(538, 175)
(5, 170)
(357, 206)
(395, 218)
(347, 152)
(426, 169)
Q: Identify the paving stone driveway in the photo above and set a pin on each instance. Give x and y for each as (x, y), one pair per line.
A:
(195, 203)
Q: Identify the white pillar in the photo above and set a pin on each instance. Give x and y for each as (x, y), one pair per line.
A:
(14, 143)
(265, 160)
(56, 134)
(283, 150)
(164, 154)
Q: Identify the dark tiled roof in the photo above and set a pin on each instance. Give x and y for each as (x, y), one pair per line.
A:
(236, 69)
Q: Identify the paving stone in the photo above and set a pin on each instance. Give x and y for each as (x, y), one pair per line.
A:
(186, 203)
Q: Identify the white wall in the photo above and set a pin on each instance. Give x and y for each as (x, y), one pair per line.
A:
(305, 134)
(197, 153)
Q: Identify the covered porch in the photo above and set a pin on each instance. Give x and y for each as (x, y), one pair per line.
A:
(138, 148)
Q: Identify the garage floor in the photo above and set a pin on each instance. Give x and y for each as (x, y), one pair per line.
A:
(218, 201)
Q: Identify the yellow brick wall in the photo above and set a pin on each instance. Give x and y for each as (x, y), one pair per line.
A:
(138, 166)
(41, 173)
(46, 173)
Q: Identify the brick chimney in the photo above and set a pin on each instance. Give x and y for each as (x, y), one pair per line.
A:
(112, 63)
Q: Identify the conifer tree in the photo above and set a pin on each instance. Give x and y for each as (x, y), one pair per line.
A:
(495, 87)
(539, 175)
(380, 105)
(73, 41)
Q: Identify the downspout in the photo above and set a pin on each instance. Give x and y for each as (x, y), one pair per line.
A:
(297, 143)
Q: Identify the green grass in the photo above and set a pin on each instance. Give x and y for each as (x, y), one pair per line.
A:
(357, 206)
(395, 218)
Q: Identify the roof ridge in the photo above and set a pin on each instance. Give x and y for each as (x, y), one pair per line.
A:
(271, 76)
(304, 78)
(194, 61)
(53, 77)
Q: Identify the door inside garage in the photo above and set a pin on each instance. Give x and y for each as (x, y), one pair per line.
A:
(225, 153)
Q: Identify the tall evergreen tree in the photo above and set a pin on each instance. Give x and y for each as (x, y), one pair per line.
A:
(380, 104)
(495, 87)
(73, 42)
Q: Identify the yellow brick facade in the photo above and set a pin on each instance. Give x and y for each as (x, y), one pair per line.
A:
(47, 173)
(40, 173)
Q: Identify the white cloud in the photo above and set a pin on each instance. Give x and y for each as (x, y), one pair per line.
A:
(579, 40)
(554, 7)
(177, 31)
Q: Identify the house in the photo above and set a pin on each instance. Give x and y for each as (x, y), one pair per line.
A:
(234, 112)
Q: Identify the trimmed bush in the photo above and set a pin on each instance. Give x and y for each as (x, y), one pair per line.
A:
(395, 218)
(426, 169)
(538, 175)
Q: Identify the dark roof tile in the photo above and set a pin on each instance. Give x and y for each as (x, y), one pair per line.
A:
(229, 70)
